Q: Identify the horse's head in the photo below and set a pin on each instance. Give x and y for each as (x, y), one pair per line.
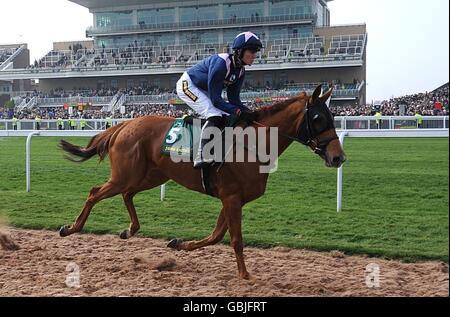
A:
(318, 132)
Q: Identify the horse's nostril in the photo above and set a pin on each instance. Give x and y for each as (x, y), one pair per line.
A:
(336, 159)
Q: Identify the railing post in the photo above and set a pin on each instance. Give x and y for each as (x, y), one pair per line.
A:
(28, 146)
(339, 175)
(163, 192)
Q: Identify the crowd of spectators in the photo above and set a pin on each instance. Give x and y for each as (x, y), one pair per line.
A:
(133, 111)
(434, 103)
(102, 92)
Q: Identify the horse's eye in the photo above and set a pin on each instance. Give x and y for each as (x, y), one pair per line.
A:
(319, 123)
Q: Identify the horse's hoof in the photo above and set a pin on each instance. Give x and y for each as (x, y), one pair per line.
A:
(246, 276)
(64, 231)
(124, 235)
(174, 243)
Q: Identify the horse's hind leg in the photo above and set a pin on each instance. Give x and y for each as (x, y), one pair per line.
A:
(215, 237)
(134, 226)
(96, 194)
(153, 180)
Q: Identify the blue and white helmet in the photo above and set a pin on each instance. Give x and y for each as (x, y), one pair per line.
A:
(247, 40)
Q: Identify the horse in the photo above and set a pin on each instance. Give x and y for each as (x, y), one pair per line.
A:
(137, 164)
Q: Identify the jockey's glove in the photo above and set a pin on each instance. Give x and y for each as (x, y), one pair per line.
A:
(246, 115)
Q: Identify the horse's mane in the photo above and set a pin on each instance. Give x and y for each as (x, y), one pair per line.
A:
(275, 108)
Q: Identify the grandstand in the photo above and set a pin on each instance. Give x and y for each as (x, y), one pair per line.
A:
(15, 56)
(148, 44)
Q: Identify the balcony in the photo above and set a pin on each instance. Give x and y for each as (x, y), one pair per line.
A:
(199, 25)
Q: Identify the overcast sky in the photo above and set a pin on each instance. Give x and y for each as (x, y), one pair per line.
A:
(408, 49)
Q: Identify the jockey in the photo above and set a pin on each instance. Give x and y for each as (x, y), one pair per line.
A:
(201, 87)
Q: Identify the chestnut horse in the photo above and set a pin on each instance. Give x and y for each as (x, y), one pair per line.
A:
(134, 149)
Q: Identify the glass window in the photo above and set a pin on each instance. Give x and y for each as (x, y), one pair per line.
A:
(283, 32)
(159, 39)
(279, 32)
(130, 83)
(156, 16)
(243, 10)
(320, 14)
(157, 82)
(199, 37)
(121, 41)
(193, 14)
(268, 79)
(114, 19)
(230, 34)
(100, 84)
(143, 83)
(290, 7)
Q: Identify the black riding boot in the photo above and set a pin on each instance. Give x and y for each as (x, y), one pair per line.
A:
(199, 160)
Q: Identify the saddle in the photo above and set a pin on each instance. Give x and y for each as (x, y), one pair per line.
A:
(182, 140)
(183, 136)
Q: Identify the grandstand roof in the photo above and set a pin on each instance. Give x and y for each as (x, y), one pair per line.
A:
(98, 4)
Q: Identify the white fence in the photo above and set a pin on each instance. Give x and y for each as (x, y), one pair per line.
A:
(342, 123)
(411, 133)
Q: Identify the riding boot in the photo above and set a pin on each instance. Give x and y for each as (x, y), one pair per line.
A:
(200, 161)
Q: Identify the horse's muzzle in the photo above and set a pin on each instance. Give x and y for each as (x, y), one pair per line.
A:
(336, 161)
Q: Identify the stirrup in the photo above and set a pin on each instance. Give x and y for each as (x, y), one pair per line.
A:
(202, 164)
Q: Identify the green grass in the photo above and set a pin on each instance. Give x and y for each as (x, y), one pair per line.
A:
(395, 199)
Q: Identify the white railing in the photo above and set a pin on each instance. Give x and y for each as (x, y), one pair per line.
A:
(391, 122)
(22, 104)
(119, 103)
(59, 102)
(5, 64)
(112, 103)
(33, 102)
(164, 98)
(341, 123)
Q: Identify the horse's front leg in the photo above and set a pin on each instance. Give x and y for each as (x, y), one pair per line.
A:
(233, 215)
(215, 237)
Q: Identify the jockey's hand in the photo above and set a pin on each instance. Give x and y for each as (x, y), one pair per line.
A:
(245, 115)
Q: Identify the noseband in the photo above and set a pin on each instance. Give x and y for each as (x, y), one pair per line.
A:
(309, 136)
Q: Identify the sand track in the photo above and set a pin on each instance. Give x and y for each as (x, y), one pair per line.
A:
(109, 266)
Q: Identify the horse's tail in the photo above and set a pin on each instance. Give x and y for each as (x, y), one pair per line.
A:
(98, 145)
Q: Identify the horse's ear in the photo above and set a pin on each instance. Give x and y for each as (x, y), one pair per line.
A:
(316, 93)
(326, 95)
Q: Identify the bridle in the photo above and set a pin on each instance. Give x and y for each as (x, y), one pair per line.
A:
(308, 135)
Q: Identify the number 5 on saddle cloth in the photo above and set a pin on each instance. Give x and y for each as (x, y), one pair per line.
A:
(182, 139)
